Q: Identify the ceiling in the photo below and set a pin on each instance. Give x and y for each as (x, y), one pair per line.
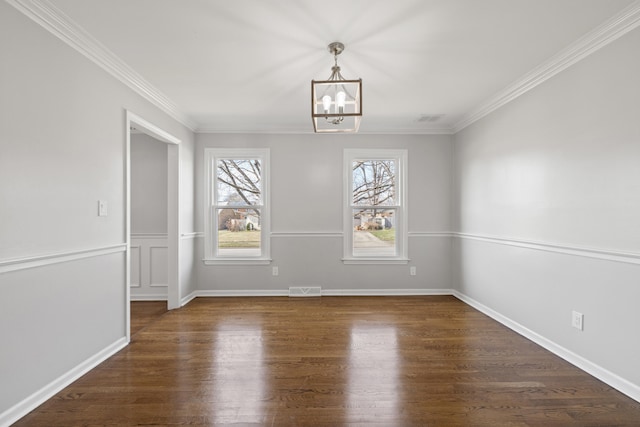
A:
(246, 65)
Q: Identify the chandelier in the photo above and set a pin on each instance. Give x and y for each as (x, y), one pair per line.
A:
(336, 103)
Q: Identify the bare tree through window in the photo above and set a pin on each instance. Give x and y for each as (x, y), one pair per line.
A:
(374, 201)
(239, 196)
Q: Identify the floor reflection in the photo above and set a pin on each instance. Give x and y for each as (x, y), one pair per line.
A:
(239, 373)
(374, 389)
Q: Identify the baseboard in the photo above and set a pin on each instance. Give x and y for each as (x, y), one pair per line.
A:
(149, 297)
(324, 292)
(187, 299)
(385, 292)
(630, 389)
(243, 293)
(22, 408)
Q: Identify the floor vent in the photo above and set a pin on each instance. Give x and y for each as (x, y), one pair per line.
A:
(311, 291)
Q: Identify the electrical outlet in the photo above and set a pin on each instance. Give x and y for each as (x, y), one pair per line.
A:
(275, 271)
(577, 320)
(412, 271)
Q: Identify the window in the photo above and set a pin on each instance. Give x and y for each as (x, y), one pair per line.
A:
(236, 206)
(375, 219)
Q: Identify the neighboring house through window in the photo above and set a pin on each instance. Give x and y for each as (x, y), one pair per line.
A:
(236, 206)
(375, 217)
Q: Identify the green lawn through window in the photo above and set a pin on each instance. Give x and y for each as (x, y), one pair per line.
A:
(238, 239)
(388, 235)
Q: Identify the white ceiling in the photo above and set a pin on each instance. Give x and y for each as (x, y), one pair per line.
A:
(246, 65)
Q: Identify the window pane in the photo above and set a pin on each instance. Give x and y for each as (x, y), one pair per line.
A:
(239, 232)
(374, 232)
(374, 182)
(239, 182)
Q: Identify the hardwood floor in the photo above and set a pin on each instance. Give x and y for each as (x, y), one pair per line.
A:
(334, 361)
(144, 313)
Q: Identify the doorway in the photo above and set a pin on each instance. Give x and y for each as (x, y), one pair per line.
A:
(172, 252)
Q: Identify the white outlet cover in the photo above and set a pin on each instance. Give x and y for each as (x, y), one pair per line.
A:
(577, 320)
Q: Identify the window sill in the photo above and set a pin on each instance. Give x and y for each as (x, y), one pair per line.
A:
(375, 261)
(237, 261)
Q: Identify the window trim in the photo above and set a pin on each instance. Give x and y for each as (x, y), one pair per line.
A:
(401, 157)
(211, 155)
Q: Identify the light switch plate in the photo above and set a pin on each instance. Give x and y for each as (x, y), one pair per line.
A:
(102, 208)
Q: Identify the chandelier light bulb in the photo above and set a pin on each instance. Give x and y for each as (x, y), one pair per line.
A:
(341, 97)
(326, 103)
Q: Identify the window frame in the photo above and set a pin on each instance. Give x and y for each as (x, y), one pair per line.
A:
(211, 157)
(401, 240)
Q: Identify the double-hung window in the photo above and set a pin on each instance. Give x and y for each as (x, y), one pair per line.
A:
(375, 217)
(236, 206)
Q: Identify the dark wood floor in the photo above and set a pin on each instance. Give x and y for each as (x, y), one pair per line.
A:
(334, 361)
(144, 313)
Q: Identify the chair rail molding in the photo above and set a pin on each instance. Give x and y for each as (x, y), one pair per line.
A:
(604, 254)
(58, 257)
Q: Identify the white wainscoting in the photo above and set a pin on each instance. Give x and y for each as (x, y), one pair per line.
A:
(532, 287)
(149, 274)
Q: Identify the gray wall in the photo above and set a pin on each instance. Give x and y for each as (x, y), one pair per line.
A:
(62, 268)
(547, 201)
(306, 211)
(148, 185)
(544, 197)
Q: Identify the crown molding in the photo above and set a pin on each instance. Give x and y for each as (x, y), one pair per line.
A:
(57, 23)
(614, 28)
(215, 130)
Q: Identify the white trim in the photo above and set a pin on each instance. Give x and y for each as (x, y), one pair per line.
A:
(25, 406)
(237, 261)
(207, 128)
(431, 234)
(56, 258)
(385, 292)
(401, 157)
(340, 234)
(211, 155)
(305, 291)
(375, 261)
(614, 28)
(324, 292)
(243, 293)
(151, 269)
(142, 236)
(148, 128)
(630, 389)
(188, 298)
(193, 235)
(293, 234)
(137, 284)
(149, 297)
(604, 254)
(334, 234)
(173, 207)
(55, 21)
